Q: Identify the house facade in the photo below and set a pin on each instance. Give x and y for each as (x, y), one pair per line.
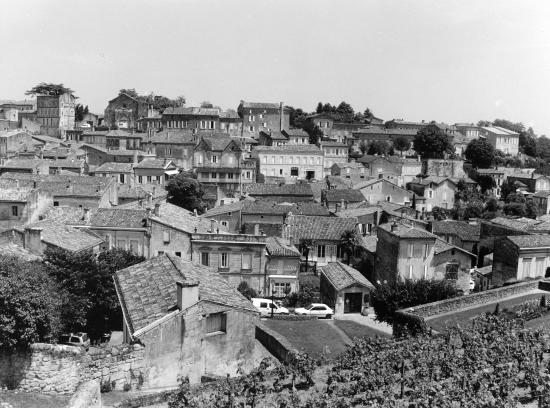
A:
(293, 162)
(282, 267)
(124, 111)
(260, 116)
(55, 114)
(177, 146)
(502, 139)
(376, 190)
(334, 152)
(434, 192)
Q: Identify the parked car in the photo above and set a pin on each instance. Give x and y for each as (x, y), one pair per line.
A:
(315, 309)
(76, 339)
(265, 306)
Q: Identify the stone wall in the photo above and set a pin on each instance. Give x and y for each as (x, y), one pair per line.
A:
(58, 369)
(276, 344)
(87, 395)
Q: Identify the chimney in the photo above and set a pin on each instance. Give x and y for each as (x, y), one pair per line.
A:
(394, 227)
(86, 215)
(195, 212)
(148, 211)
(281, 116)
(187, 294)
(342, 204)
(33, 239)
(256, 229)
(156, 211)
(212, 221)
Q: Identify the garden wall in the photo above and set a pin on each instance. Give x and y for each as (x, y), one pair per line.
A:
(276, 344)
(59, 369)
(413, 319)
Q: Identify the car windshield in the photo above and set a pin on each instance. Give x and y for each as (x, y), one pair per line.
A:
(310, 307)
(64, 339)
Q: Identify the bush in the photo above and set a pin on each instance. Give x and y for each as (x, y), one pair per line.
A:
(246, 290)
(29, 309)
(308, 293)
(387, 298)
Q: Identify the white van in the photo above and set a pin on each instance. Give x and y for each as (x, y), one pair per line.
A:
(266, 305)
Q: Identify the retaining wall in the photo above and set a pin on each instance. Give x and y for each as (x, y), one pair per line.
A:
(276, 344)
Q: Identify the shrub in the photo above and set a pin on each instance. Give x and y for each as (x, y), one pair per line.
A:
(246, 290)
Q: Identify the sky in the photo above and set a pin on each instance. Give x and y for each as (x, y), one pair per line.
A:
(450, 61)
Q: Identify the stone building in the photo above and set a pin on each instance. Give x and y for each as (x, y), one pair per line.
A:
(236, 257)
(293, 162)
(55, 114)
(124, 111)
(21, 205)
(377, 190)
(11, 142)
(175, 145)
(344, 289)
(502, 139)
(258, 116)
(189, 319)
(434, 192)
(335, 152)
(154, 171)
(282, 267)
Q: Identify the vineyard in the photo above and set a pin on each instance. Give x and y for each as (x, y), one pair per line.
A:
(495, 362)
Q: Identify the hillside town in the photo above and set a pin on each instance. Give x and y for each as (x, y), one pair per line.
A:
(275, 204)
(196, 241)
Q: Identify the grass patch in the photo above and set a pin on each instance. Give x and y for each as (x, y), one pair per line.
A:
(33, 400)
(314, 337)
(354, 329)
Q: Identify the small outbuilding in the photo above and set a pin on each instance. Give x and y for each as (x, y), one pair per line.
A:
(344, 288)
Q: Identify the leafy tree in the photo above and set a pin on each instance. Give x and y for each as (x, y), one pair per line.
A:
(87, 290)
(484, 181)
(531, 210)
(506, 124)
(246, 290)
(308, 292)
(29, 307)
(297, 117)
(506, 188)
(187, 193)
(314, 132)
(402, 144)
(543, 147)
(515, 209)
(480, 153)
(49, 89)
(439, 213)
(432, 143)
(387, 298)
(368, 114)
(206, 104)
(130, 92)
(528, 143)
(379, 147)
(364, 147)
(319, 108)
(350, 241)
(492, 205)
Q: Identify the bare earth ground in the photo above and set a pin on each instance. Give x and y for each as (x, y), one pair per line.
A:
(32, 400)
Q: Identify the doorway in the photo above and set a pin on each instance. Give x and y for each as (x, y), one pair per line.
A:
(310, 175)
(353, 302)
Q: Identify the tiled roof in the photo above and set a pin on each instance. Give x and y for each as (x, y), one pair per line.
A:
(318, 228)
(333, 144)
(191, 111)
(279, 247)
(351, 165)
(382, 131)
(12, 249)
(407, 231)
(62, 185)
(147, 291)
(521, 224)
(66, 237)
(274, 207)
(139, 192)
(223, 209)
(229, 114)
(275, 135)
(358, 212)
(343, 276)
(19, 194)
(441, 246)
(369, 243)
(261, 189)
(119, 133)
(462, 229)
(174, 137)
(486, 270)
(48, 139)
(542, 194)
(259, 105)
(219, 142)
(114, 167)
(499, 130)
(346, 194)
(295, 132)
(116, 217)
(23, 163)
(294, 149)
(113, 152)
(531, 241)
(67, 163)
(490, 171)
(181, 219)
(338, 182)
(65, 215)
(153, 164)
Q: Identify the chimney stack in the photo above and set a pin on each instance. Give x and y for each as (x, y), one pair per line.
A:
(148, 211)
(156, 211)
(187, 294)
(195, 212)
(86, 215)
(281, 115)
(33, 239)
(342, 204)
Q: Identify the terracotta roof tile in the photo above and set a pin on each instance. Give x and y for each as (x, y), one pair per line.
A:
(342, 276)
(318, 228)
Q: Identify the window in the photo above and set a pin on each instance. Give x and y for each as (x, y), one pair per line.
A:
(121, 244)
(214, 175)
(281, 288)
(56, 203)
(247, 174)
(166, 236)
(294, 171)
(134, 246)
(148, 179)
(251, 128)
(205, 258)
(216, 323)
(410, 249)
(280, 172)
(451, 271)
(178, 254)
(246, 261)
(425, 271)
(430, 194)
(14, 210)
(539, 264)
(160, 253)
(264, 124)
(410, 271)
(230, 175)
(223, 223)
(214, 158)
(224, 260)
(320, 251)
(122, 178)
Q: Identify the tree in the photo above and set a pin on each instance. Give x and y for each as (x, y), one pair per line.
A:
(543, 147)
(187, 193)
(130, 92)
(319, 108)
(305, 246)
(387, 298)
(363, 146)
(29, 307)
(379, 147)
(368, 114)
(350, 241)
(528, 143)
(480, 153)
(297, 117)
(87, 289)
(314, 132)
(206, 104)
(432, 143)
(484, 181)
(439, 213)
(246, 290)
(402, 144)
(49, 89)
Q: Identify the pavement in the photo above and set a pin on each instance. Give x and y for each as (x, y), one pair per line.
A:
(369, 321)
